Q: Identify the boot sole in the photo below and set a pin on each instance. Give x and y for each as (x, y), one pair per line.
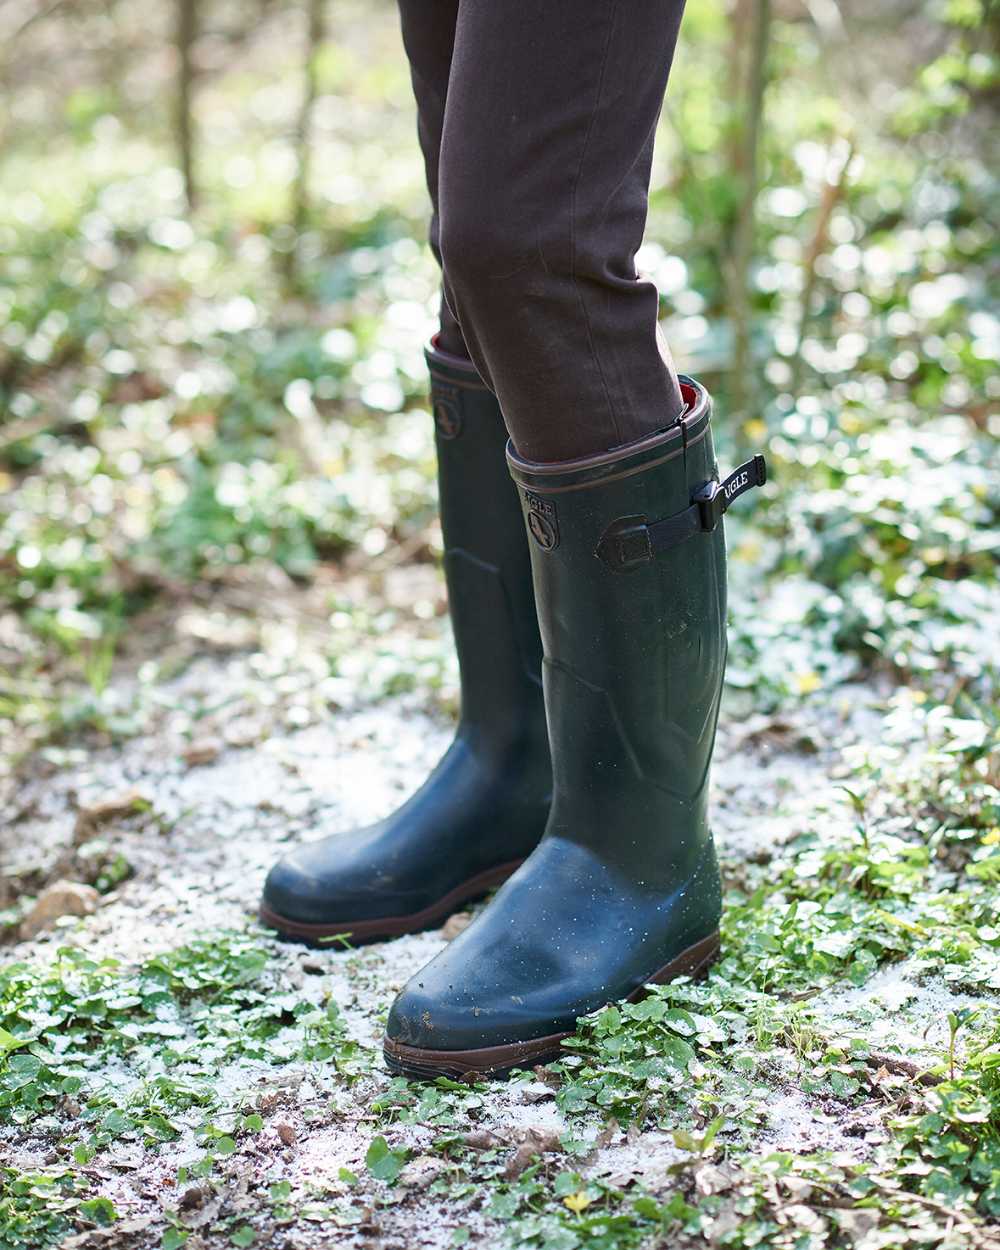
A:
(495, 1061)
(390, 926)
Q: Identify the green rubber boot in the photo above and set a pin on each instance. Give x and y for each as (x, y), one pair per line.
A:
(483, 808)
(630, 579)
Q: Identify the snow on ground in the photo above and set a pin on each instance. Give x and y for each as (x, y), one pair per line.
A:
(239, 764)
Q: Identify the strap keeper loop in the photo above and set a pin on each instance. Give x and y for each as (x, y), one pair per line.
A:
(625, 544)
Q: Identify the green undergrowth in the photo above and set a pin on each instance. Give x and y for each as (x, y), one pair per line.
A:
(817, 1005)
(148, 1052)
(42, 1208)
(881, 555)
(96, 1055)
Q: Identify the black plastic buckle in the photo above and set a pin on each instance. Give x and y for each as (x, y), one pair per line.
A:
(715, 497)
(712, 502)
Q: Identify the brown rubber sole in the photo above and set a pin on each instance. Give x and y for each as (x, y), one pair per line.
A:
(356, 931)
(494, 1061)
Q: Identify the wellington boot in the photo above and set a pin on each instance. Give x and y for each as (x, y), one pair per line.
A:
(483, 808)
(630, 579)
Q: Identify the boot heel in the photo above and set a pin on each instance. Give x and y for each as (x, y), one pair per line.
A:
(694, 962)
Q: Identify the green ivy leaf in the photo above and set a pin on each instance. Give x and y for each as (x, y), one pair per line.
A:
(384, 1164)
(100, 1210)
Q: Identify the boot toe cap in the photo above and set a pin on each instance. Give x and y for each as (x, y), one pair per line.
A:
(430, 1021)
(341, 879)
(294, 892)
(449, 1007)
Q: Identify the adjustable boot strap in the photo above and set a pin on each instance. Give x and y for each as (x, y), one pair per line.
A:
(631, 541)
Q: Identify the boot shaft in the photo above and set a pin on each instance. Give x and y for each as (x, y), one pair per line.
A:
(634, 642)
(487, 565)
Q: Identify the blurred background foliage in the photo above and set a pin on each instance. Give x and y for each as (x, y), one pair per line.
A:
(215, 289)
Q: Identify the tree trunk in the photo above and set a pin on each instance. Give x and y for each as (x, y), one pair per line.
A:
(315, 34)
(743, 386)
(187, 31)
(834, 186)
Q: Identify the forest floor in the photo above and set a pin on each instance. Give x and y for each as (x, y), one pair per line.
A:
(264, 1132)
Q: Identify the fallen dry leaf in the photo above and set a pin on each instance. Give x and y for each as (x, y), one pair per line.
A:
(61, 898)
(421, 1172)
(534, 1142)
(201, 751)
(91, 816)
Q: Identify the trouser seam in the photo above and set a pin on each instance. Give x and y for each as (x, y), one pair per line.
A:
(572, 225)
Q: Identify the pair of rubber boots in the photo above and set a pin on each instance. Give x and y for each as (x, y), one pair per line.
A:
(591, 656)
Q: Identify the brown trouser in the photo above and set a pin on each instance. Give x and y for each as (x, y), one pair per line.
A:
(536, 120)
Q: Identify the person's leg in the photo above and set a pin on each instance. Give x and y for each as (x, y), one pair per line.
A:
(429, 37)
(483, 808)
(545, 160)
